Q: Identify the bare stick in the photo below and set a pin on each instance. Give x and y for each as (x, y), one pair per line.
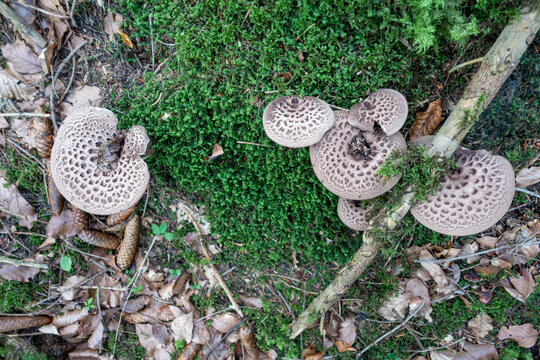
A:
(224, 286)
(381, 338)
(252, 143)
(528, 192)
(467, 63)
(17, 262)
(74, 248)
(435, 348)
(45, 11)
(26, 115)
(499, 62)
(22, 26)
(152, 40)
(55, 75)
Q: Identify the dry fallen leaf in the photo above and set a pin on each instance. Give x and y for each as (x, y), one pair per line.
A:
(22, 60)
(527, 177)
(216, 151)
(24, 129)
(68, 289)
(525, 334)
(480, 325)
(81, 96)
(347, 332)
(310, 354)
(396, 302)
(62, 224)
(22, 273)
(250, 302)
(520, 287)
(69, 317)
(13, 88)
(111, 24)
(225, 321)
(182, 327)
(151, 343)
(13, 204)
(426, 122)
(125, 39)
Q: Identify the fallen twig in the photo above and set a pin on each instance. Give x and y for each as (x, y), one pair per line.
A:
(25, 115)
(17, 262)
(466, 63)
(384, 336)
(528, 192)
(20, 148)
(224, 286)
(22, 26)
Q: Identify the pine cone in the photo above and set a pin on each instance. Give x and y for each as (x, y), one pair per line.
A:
(128, 247)
(121, 216)
(55, 199)
(100, 239)
(79, 217)
(43, 135)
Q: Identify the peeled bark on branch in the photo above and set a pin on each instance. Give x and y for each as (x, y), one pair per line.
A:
(501, 59)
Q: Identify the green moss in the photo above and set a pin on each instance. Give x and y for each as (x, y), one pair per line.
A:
(16, 295)
(128, 346)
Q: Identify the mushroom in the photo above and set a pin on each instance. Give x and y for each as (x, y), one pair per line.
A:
(96, 167)
(346, 160)
(353, 213)
(474, 196)
(297, 122)
(387, 107)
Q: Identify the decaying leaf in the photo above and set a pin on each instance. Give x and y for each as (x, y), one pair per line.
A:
(68, 288)
(192, 240)
(13, 204)
(225, 321)
(527, 177)
(22, 273)
(111, 24)
(480, 325)
(23, 129)
(216, 151)
(152, 341)
(182, 327)
(343, 346)
(189, 352)
(347, 331)
(81, 96)
(12, 323)
(520, 287)
(250, 346)
(100, 239)
(395, 302)
(138, 318)
(69, 317)
(311, 354)
(22, 60)
(525, 334)
(251, 302)
(62, 225)
(125, 39)
(426, 122)
(95, 340)
(128, 246)
(13, 88)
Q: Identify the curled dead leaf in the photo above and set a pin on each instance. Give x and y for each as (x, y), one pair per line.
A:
(13, 204)
(525, 334)
(527, 177)
(480, 325)
(520, 287)
(125, 38)
(426, 122)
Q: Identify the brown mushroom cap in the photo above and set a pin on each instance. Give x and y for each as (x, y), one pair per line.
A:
(475, 195)
(346, 160)
(387, 107)
(74, 163)
(297, 122)
(353, 214)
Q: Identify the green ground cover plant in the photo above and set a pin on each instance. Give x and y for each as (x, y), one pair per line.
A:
(230, 60)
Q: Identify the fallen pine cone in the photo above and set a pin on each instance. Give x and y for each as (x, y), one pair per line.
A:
(250, 346)
(128, 247)
(138, 318)
(43, 136)
(121, 216)
(80, 217)
(12, 323)
(100, 239)
(55, 199)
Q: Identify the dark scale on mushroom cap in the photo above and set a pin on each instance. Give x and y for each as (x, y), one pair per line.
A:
(475, 195)
(387, 107)
(74, 163)
(353, 214)
(297, 122)
(346, 161)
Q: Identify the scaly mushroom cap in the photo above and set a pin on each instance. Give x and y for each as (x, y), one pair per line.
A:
(297, 122)
(346, 160)
(475, 195)
(387, 107)
(353, 214)
(74, 163)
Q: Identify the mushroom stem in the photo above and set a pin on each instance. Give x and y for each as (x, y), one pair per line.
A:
(499, 62)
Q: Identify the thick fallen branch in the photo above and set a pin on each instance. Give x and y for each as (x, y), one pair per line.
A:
(497, 64)
(22, 26)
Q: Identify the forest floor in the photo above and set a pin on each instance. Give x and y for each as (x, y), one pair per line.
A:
(199, 74)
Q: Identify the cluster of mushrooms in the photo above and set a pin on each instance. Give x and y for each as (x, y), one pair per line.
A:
(99, 170)
(347, 149)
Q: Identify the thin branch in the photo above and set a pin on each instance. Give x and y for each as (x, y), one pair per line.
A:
(528, 192)
(224, 286)
(435, 348)
(20, 148)
(441, 261)
(22, 26)
(466, 63)
(17, 262)
(44, 11)
(26, 115)
(384, 336)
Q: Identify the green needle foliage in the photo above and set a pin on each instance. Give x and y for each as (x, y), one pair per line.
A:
(229, 60)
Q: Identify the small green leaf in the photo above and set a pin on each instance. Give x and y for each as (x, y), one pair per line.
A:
(168, 236)
(155, 229)
(162, 228)
(65, 263)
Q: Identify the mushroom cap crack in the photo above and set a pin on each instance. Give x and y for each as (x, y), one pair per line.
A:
(74, 163)
(474, 196)
(346, 160)
(386, 107)
(297, 122)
